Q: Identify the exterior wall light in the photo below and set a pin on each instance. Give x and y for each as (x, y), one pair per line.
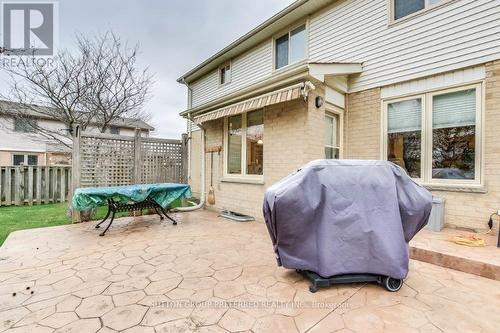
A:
(319, 101)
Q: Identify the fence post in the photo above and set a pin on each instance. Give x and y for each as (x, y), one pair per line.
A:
(137, 156)
(184, 157)
(75, 172)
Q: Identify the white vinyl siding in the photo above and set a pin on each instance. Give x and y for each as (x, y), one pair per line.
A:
(450, 79)
(456, 35)
(247, 69)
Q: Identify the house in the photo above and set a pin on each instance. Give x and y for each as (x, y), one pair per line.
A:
(411, 81)
(20, 145)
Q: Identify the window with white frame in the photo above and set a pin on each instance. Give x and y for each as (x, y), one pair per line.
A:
(225, 74)
(332, 136)
(24, 125)
(403, 8)
(436, 136)
(290, 47)
(24, 159)
(244, 144)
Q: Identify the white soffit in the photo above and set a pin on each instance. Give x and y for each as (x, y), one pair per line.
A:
(322, 70)
(334, 75)
(444, 80)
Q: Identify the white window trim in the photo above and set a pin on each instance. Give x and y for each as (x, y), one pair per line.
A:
(329, 111)
(243, 175)
(426, 148)
(227, 63)
(428, 7)
(288, 30)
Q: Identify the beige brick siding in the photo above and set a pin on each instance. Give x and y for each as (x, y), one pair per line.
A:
(362, 125)
(463, 209)
(291, 139)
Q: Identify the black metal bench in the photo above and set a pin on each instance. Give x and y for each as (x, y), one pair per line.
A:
(116, 207)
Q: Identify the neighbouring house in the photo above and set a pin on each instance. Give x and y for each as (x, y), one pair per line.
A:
(416, 82)
(21, 145)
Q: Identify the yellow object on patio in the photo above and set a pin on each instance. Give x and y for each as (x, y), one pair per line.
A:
(468, 240)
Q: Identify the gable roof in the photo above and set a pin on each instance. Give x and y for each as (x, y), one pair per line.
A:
(11, 108)
(263, 31)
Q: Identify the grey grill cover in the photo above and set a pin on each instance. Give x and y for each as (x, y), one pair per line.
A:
(346, 216)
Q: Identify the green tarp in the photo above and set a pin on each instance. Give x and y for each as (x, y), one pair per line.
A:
(163, 194)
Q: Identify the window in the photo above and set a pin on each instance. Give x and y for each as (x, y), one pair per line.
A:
(32, 160)
(225, 74)
(453, 135)
(245, 144)
(403, 8)
(332, 137)
(291, 47)
(435, 136)
(114, 130)
(24, 125)
(22, 159)
(404, 130)
(18, 160)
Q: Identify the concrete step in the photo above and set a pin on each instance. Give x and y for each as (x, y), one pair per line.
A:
(435, 248)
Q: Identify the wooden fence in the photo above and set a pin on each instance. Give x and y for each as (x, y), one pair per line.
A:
(30, 185)
(98, 160)
(113, 160)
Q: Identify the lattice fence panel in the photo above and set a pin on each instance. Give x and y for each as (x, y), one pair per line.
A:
(161, 161)
(106, 161)
(114, 160)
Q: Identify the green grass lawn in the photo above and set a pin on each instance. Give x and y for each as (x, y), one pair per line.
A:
(28, 217)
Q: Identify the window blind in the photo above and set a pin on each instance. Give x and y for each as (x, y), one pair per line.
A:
(454, 109)
(404, 116)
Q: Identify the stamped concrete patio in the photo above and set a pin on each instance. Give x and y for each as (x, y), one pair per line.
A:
(212, 275)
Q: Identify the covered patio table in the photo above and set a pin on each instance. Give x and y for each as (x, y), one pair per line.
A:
(129, 198)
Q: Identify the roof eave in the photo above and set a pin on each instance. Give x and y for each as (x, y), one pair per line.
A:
(251, 38)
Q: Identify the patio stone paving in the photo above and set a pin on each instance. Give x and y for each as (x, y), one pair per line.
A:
(212, 275)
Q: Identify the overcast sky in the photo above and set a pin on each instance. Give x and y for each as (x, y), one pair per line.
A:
(174, 36)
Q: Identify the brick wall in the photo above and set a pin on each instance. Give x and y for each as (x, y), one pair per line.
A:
(291, 139)
(463, 209)
(362, 125)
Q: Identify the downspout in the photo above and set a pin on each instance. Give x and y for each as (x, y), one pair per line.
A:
(189, 105)
(202, 195)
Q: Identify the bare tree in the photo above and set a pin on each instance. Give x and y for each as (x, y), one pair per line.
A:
(119, 88)
(96, 85)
